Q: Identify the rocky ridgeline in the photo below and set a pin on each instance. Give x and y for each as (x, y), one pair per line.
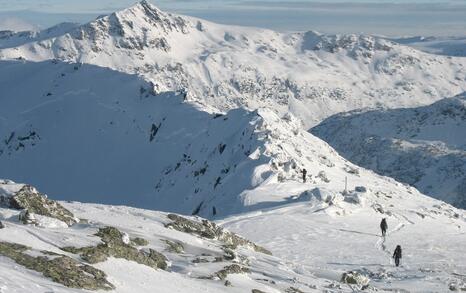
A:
(356, 46)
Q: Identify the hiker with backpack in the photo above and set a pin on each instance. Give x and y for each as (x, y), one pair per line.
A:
(397, 255)
(384, 227)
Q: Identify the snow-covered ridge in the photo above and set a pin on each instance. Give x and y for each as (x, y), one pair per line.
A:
(311, 75)
(10, 39)
(424, 147)
(158, 151)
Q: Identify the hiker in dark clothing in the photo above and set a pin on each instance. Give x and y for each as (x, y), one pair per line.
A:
(397, 255)
(384, 226)
(304, 175)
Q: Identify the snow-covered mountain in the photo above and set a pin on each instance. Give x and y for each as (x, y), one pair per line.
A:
(311, 75)
(83, 126)
(449, 46)
(10, 39)
(145, 108)
(424, 147)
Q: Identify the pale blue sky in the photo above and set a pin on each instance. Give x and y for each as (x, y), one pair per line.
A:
(388, 17)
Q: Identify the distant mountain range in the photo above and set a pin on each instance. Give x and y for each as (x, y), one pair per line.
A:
(309, 74)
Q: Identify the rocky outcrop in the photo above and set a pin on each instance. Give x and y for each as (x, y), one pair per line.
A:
(174, 246)
(60, 268)
(355, 278)
(34, 202)
(114, 246)
(210, 230)
(228, 270)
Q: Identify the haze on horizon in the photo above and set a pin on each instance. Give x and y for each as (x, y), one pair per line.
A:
(391, 17)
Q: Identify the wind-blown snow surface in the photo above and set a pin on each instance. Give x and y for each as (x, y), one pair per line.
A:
(424, 147)
(309, 74)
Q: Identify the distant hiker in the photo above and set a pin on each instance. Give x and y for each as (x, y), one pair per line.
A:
(397, 255)
(384, 226)
(304, 175)
(214, 211)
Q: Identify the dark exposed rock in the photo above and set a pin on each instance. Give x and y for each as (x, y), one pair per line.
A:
(28, 198)
(231, 269)
(257, 291)
(200, 260)
(210, 230)
(114, 246)
(153, 131)
(27, 218)
(138, 241)
(293, 290)
(61, 269)
(175, 247)
(1, 225)
(355, 278)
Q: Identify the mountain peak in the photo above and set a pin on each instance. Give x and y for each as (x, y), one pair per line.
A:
(147, 7)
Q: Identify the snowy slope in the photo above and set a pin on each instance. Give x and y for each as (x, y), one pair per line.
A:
(314, 240)
(328, 240)
(311, 75)
(424, 147)
(190, 265)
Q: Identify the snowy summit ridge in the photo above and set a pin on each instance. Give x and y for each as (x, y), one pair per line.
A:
(309, 74)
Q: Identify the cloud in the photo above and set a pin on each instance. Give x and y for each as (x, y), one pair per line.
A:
(15, 24)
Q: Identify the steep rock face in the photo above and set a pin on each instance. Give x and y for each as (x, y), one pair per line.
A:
(424, 147)
(309, 74)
